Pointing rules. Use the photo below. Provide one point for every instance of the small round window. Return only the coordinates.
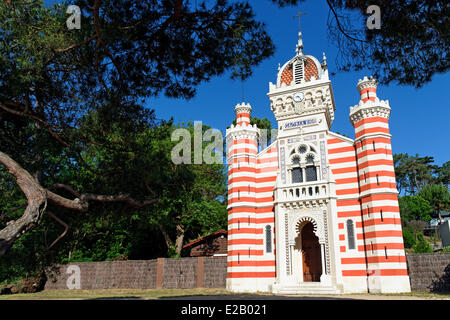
(302, 149)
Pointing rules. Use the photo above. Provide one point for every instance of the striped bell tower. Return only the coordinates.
(381, 224)
(242, 141)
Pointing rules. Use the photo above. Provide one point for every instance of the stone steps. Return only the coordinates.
(307, 288)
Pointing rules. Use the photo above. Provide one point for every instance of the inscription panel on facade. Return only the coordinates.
(283, 165)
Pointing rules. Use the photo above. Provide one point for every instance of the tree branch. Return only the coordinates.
(69, 48)
(46, 125)
(65, 225)
(340, 26)
(65, 187)
(98, 32)
(37, 198)
(50, 130)
(37, 203)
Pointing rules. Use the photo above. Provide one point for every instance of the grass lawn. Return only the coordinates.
(166, 293)
(116, 293)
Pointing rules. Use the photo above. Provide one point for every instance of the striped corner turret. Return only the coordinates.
(381, 224)
(242, 151)
(367, 88)
(243, 112)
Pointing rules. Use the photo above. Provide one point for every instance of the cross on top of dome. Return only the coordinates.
(299, 47)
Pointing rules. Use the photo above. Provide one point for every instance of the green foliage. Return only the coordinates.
(25, 259)
(443, 174)
(195, 202)
(414, 208)
(409, 48)
(445, 249)
(72, 112)
(172, 252)
(413, 172)
(191, 196)
(422, 246)
(438, 196)
(409, 238)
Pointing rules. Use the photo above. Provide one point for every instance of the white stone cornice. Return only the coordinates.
(378, 108)
(300, 204)
(318, 99)
(367, 83)
(243, 108)
(242, 132)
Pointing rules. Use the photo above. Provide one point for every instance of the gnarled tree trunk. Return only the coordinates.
(37, 198)
(37, 202)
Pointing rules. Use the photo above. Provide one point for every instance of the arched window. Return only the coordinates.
(297, 175)
(311, 173)
(310, 170)
(304, 154)
(268, 239)
(350, 235)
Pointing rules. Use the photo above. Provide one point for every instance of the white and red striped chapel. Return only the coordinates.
(314, 212)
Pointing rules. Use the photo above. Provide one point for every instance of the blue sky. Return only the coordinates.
(419, 117)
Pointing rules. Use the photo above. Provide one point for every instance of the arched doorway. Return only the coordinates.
(311, 255)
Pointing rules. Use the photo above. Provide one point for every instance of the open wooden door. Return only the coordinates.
(312, 262)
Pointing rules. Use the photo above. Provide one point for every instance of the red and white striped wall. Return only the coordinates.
(342, 161)
(367, 89)
(243, 114)
(382, 231)
(379, 201)
(251, 181)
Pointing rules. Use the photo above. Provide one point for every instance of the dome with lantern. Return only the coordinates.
(303, 88)
(301, 68)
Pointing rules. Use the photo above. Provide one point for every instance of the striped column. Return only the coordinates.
(381, 224)
(243, 237)
(367, 89)
(243, 111)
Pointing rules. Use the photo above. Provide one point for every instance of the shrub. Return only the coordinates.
(408, 238)
(421, 246)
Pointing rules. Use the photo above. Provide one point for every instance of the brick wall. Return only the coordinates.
(180, 273)
(215, 272)
(429, 271)
(143, 274)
